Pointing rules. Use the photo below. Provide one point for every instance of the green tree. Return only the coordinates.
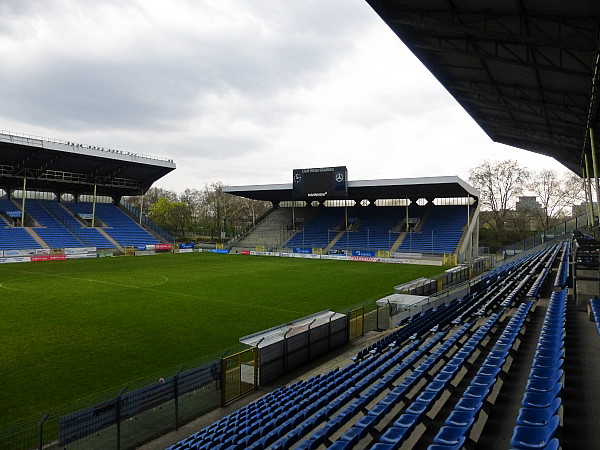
(172, 216)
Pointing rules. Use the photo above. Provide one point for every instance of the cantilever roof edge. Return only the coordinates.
(444, 186)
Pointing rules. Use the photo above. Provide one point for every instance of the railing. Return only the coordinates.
(551, 233)
(53, 210)
(28, 137)
(147, 222)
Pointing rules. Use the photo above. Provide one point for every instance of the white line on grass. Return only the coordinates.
(146, 288)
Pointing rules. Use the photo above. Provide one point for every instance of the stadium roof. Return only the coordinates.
(61, 166)
(525, 70)
(412, 188)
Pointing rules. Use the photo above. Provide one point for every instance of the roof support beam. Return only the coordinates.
(494, 95)
(445, 21)
(502, 59)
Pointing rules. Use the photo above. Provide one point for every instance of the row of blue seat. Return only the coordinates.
(369, 384)
(535, 267)
(538, 419)
(595, 307)
(417, 327)
(562, 274)
(459, 423)
(277, 415)
(382, 408)
(425, 399)
(534, 291)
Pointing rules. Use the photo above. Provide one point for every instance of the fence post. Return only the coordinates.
(41, 430)
(309, 340)
(329, 332)
(177, 396)
(118, 407)
(285, 350)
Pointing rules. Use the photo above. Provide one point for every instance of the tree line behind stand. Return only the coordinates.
(200, 214)
(517, 202)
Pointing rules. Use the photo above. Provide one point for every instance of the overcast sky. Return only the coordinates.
(237, 91)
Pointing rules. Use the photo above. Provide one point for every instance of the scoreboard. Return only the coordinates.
(321, 182)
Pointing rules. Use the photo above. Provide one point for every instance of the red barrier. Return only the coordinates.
(38, 258)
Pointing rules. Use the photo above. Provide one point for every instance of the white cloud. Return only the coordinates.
(238, 92)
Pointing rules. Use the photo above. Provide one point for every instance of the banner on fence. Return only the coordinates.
(219, 250)
(363, 253)
(41, 258)
(27, 252)
(302, 250)
(15, 259)
(80, 250)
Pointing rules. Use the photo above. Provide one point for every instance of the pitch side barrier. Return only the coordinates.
(46, 254)
(363, 256)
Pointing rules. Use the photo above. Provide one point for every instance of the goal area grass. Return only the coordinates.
(73, 329)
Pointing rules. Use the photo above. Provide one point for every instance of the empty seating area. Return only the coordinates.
(434, 381)
(117, 224)
(374, 230)
(319, 230)
(595, 311)
(52, 232)
(378, 228)
(17, 239)
(538, 420)
(273, 230)
(440, 232)
(57, 226)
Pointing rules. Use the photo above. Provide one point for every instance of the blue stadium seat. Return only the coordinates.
(536, 437)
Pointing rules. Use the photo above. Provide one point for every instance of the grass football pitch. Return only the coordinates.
(72, 329)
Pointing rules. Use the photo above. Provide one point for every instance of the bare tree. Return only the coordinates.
(556, 194)
(499, 183)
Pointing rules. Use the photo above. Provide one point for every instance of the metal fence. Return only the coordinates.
(147, 222)
(544, 236)
(124, 419)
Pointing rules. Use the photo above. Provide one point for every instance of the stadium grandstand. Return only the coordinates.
(406, 218)
(512, 362)
(59, 195)
(482, 357)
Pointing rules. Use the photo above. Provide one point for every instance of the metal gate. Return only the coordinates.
(356, 323)
(239, 374)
